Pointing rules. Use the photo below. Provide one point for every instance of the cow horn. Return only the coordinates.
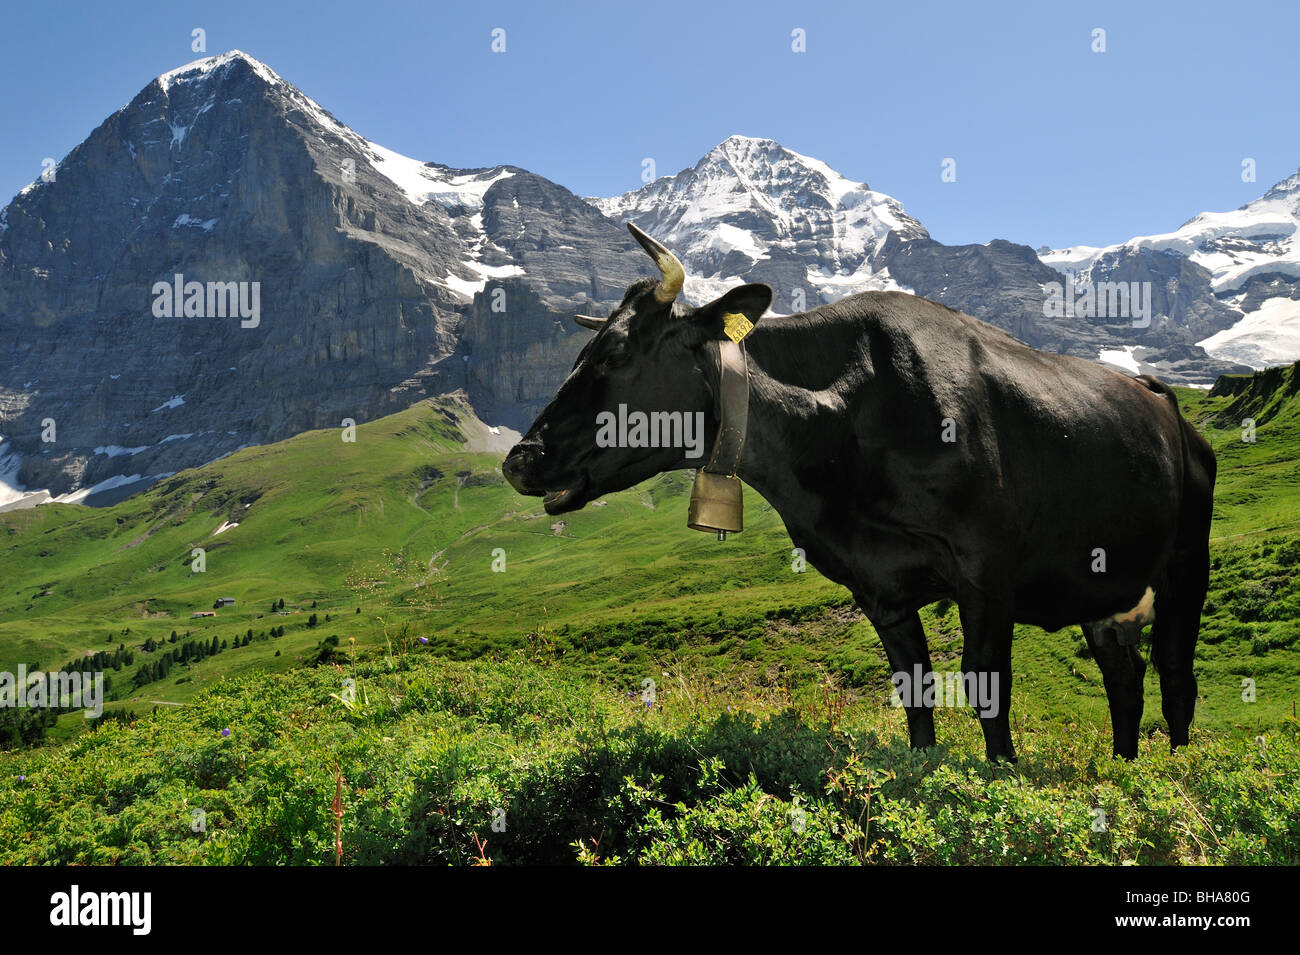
(674, 274)
(586, 321)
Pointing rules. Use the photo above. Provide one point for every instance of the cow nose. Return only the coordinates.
(513, 464)
(521, 455)
(518, 462)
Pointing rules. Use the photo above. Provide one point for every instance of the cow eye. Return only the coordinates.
(615, 356)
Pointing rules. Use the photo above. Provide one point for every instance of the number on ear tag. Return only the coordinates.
(736, 326)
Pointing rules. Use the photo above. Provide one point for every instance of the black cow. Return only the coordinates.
(916, 453)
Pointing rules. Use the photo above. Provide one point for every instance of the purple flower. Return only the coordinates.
(424, 639)
(22, 779)
(226, 731)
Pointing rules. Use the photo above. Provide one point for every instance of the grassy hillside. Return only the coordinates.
(410, 549)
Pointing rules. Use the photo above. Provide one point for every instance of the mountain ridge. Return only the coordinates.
(385, 279)
(1248, 259)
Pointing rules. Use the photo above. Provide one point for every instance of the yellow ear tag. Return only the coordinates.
(736, 326)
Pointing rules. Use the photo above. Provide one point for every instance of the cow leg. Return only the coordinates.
(1173, 638)
(1122, 670)
(987, 627)
(906, 647)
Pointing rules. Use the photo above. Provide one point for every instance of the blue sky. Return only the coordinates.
(1054, 144)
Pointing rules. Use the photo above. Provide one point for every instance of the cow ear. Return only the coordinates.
(735, 313)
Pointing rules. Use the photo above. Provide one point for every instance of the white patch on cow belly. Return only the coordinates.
(1141, 615)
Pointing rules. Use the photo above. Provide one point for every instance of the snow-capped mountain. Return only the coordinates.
(754, 210)
(751, 206)
(380, 279)
(363, 263)
(1250, 258)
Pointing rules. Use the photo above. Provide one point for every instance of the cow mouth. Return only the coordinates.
(564, 499)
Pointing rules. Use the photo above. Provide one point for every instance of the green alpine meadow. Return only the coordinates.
(366, 648)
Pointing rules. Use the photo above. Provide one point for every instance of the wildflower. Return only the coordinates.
(226, 731)
(424, 639)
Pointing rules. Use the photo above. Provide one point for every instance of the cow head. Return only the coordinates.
(649, 357)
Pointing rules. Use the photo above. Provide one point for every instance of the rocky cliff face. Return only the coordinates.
(514, 360)
(364, 263)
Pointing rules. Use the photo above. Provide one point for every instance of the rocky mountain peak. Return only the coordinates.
(750, 201)
(210, 68)
(1285, 189)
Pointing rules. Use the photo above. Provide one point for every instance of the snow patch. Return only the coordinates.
(728, 238)
(468, 287)
(424, 182)
(1077, 258)
(10, 463)
(185, 219)
(117, 480)
(1121, 357)
(1270, 335)
(117, 451)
